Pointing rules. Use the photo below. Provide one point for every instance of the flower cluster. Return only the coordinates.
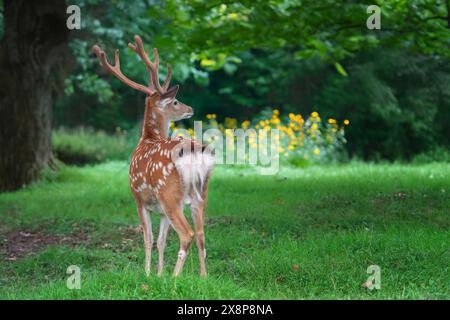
(301, 140)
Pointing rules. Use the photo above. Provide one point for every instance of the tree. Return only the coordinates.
(33, 49)
(202, 36)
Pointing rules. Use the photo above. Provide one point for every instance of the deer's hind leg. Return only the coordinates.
(198, 207)
(144, 216)
(171, 202)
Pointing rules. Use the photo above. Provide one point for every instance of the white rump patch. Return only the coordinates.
(194, 168)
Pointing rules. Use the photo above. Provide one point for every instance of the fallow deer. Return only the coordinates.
(165, 174)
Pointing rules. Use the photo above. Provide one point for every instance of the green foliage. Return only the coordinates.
(310, 234)
(437, 154)
(398, 104)
(84, 145)
(236, 58)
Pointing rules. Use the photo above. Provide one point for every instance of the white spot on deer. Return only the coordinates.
(163, 103)
(181, 254)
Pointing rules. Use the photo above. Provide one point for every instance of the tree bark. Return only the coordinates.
(33, 56)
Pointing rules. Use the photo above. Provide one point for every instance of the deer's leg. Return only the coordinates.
(164, 225)
(146, 223)
(198, 216)
(186, 235)
(173, 209)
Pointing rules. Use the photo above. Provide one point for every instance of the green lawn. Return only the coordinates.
(305, 233)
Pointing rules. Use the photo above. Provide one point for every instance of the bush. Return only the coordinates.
(84, 145)
(302, 141)
(438, 154)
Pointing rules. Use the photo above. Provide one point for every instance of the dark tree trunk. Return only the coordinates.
(33, 54)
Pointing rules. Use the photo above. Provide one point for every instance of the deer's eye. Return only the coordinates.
(175, 103)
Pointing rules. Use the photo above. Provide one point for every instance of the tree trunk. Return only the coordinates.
(33, 53)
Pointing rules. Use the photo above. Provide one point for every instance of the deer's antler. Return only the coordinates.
(115, 70)
(152, 67)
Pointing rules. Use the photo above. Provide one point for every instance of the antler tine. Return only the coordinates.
(156, 73)
(115, 70)
(152, 67)
(166, 83)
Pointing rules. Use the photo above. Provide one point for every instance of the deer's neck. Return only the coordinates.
(156, 124)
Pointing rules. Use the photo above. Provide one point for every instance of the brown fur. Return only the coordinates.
(154, 176)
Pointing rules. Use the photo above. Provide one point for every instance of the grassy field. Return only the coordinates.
(302, 234)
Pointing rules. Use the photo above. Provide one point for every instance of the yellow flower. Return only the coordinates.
(314, 114)
(314, 126)
(207, 62)
(233, 16)
(331, 121)
(245, 124)
(346, 122)
(276, 112)
(316, 151)
(231, 122)
(291, 147)
(275, 120)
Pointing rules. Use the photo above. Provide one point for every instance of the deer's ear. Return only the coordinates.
(171, 93)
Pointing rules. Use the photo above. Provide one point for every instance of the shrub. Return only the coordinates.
(438, 154)
(84, 145)
(302, 141)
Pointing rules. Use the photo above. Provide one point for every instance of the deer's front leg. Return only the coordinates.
(164, 225)
(146, 223)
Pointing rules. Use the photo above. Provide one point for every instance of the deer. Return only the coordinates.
(165, 173)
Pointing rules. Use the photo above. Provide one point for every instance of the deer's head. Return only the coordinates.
(162, 97)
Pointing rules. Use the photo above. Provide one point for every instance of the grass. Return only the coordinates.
(302, 234)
